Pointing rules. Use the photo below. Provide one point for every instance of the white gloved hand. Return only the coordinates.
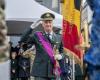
(35, 24)
(58, 56)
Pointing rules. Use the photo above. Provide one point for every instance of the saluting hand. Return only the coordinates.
(35, 24)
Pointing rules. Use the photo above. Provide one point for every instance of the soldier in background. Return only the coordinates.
(14, 67)
(24, 64)
(3, 33)
(92, 56)
(4, 61)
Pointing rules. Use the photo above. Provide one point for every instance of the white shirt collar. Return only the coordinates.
(51, 33)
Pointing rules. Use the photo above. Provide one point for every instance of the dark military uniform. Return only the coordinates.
(24, 68)
(42, 67)
(24, 65)
(14, 64)
(14, 68)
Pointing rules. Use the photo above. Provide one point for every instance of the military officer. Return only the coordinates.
(24, 64)
(44, 41)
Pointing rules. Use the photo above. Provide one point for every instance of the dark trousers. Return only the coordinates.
(42, 78)
(24, 78)
(13, 78)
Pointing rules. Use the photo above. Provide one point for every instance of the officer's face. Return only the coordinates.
(47, 25)
(13, 55)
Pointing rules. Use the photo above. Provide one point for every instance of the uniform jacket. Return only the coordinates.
(24, 67)
(42, 67)
(14, 67)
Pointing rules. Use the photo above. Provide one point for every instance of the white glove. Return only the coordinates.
(58, 56)
(35, 24)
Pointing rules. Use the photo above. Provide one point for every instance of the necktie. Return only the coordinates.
(49, 36)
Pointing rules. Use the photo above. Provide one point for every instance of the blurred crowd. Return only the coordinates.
(21, 60)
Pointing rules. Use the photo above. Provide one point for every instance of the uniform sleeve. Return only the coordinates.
(28, 37)
(61, 47)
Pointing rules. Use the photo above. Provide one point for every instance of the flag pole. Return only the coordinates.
(73, 67)
(86, 33)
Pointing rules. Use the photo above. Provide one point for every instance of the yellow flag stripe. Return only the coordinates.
(71, 14)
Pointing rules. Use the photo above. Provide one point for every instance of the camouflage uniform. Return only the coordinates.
(3, 33)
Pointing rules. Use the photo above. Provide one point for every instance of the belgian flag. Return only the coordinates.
(70, 10)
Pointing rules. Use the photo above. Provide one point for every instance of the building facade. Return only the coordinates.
(51, 4)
